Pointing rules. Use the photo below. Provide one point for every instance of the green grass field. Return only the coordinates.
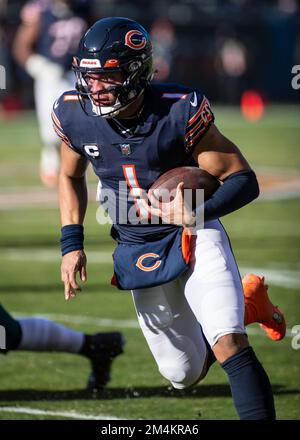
(264, 235)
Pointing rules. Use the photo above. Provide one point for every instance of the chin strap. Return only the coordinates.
(109, 110)
(112, 112)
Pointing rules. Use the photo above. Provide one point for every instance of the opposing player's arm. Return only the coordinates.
(73, 203)
(24, 47)
(27, 35)
(218, 155)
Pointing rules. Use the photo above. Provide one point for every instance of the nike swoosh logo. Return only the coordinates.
(195, 100)
(56, 104)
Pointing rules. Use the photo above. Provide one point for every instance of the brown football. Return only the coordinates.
(192, 177)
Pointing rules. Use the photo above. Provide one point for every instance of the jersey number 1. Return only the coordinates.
(135, 189)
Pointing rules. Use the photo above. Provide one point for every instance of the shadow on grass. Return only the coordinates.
(201, 391)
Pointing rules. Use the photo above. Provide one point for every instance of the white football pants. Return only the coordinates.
(208, 298)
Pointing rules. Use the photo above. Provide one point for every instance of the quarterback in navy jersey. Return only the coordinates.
(163, 138)
(186, 288)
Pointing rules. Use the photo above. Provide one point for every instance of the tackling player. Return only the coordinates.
(43, 335)
(187, 290)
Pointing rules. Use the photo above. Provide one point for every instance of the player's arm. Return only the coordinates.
(26, 36)
(222, 158)
(218, 155)
(72, 186)
(73, 204)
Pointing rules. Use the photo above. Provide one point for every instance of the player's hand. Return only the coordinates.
(174, 212)
(72, 263)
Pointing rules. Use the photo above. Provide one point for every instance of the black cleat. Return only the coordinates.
(101, 349)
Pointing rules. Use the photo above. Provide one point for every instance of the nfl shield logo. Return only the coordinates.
(125, 149)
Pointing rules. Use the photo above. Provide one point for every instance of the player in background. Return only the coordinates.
(43, 335)
(49, 33)
(186, 289)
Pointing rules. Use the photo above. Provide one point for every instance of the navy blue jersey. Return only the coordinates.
(173, 121)
(59, 30)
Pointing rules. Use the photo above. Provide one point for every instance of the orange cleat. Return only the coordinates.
(258, 308)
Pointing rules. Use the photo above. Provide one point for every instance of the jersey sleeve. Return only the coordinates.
(198, 119)
(58, 122)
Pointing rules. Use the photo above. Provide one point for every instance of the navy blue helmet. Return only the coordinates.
(115, 44)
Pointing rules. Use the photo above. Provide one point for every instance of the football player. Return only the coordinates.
(49, 33)
(39, 334)
(186, 288)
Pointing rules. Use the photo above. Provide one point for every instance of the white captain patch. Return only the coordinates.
(92, 150)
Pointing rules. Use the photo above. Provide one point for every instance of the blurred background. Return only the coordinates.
(245, 56)
(226, 46)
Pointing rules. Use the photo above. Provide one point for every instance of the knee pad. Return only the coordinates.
(184, 366)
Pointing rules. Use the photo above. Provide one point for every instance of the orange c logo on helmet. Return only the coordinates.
(140, 260)
(134, 41)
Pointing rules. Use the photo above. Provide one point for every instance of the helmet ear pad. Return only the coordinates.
(115, 45)
(138, 76)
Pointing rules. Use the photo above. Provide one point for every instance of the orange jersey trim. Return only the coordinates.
(196, 115)
(55, 119)
(186, 245)
(71, 98)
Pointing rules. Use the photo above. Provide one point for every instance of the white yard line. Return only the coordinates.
(50, 255)
(67, 414)
(279, 195)
(260, 227)
(104, 322)
(278, 276)
(14, 198)
(88, 320)
(271, 170)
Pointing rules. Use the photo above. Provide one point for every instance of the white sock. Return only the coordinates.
(40, 334)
